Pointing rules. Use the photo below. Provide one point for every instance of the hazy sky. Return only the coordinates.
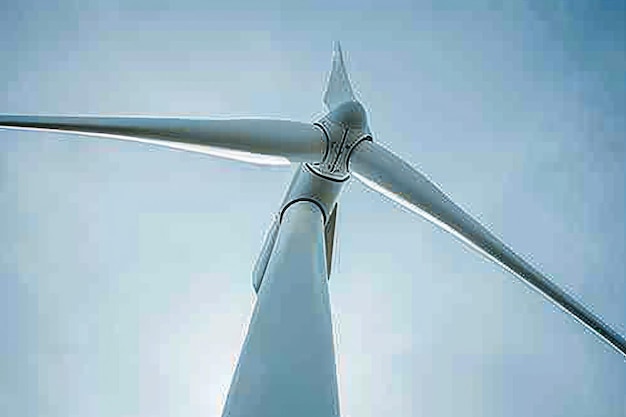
(125, 285)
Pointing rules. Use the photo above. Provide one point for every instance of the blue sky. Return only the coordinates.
(125, 269)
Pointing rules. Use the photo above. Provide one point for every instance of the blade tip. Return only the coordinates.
(337, 52)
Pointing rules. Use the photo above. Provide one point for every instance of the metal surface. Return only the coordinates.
(287, 362)
(343, 128)
(387, 173)
(272, 142)
(308, 185)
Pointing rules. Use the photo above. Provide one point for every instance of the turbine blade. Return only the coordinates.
(385, 172)
(338, 89)
(272, 142)
(260, 266)
(329, 238)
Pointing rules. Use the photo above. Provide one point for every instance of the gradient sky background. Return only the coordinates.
(125, 285)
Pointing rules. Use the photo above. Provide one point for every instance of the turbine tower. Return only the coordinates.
(287, 362)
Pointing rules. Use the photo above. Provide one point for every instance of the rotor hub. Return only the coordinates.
(343, 128)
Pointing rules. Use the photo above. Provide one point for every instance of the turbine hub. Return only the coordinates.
(344, 128)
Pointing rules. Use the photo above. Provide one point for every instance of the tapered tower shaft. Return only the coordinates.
(287, 362)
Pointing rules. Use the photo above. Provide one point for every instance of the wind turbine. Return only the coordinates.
(287, 362)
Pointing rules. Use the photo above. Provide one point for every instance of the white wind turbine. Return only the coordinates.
(287, 363)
